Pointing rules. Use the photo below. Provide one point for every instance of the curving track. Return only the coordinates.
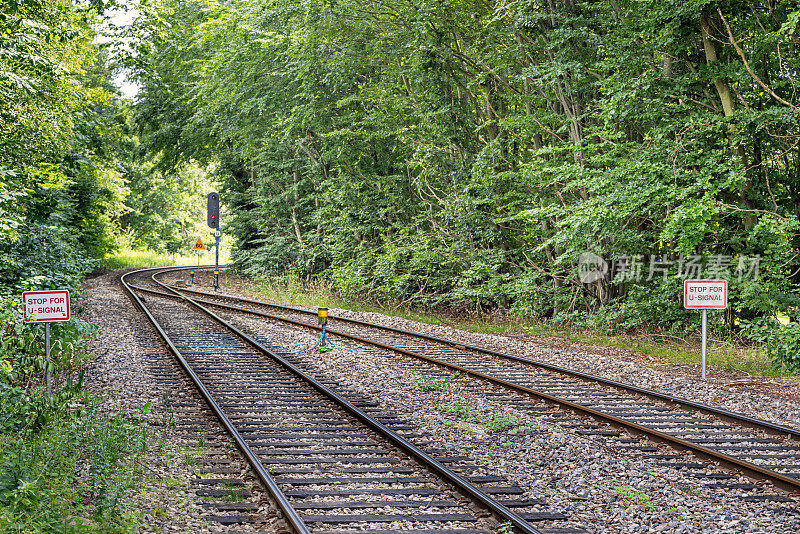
(761, 450)
(330, 460)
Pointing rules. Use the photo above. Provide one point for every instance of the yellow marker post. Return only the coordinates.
(322, 317)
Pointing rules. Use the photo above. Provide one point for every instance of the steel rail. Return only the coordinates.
(460, 483)
(289, 513)
(749, 469)
(726, 415)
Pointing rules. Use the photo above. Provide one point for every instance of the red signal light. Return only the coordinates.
(213, 210)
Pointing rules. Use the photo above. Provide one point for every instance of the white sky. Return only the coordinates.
(120, 18)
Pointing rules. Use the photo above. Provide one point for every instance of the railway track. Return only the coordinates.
(222, 480)
(758, 449)
(330, 459)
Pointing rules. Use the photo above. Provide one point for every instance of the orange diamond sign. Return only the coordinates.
(199, 245)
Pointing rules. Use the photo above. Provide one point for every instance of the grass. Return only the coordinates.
(129, 258)
(721, 354)
(432, 383)
(724, 354)
(73, 474)
(492, 421)
(234, 494)
(290, 289)
(628, 496)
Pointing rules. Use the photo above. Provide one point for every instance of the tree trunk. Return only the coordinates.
(728, 109)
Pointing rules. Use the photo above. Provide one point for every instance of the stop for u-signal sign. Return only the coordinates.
(45, 306)
(199, 245)
(705, 294)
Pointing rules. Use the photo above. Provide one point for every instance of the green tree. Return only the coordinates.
(465, 153)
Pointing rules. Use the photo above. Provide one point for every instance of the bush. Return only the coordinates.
(63, 464)
(70, 475)
(781, 342)
(44, 257)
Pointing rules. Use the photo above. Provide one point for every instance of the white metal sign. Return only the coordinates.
(705, 294)
(46, 306)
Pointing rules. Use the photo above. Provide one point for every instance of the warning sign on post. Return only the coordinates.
(45, 306)
(705, 294)
(199, 245)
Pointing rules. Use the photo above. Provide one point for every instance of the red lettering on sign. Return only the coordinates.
(705, 294)
(45, 306)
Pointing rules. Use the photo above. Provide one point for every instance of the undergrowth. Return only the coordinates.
(72, 474)
(127, 258)
(65, 466)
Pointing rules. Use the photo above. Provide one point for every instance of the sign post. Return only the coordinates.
(216, 262)
(212, 215)
(705, 295)
(198, 246)
(46, 307)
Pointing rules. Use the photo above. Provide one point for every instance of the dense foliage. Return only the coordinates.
(57, 193)
(466, 154)
(62, 193)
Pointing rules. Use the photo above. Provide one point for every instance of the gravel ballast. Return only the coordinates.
(601, 487)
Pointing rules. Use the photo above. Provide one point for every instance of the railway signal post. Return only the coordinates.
(46, 307)
(705, 295)
(213, 222)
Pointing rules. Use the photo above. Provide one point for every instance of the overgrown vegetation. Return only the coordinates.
(781, 342)
(64, 465)
(69, 474)
(65, 156)
(470, 155)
